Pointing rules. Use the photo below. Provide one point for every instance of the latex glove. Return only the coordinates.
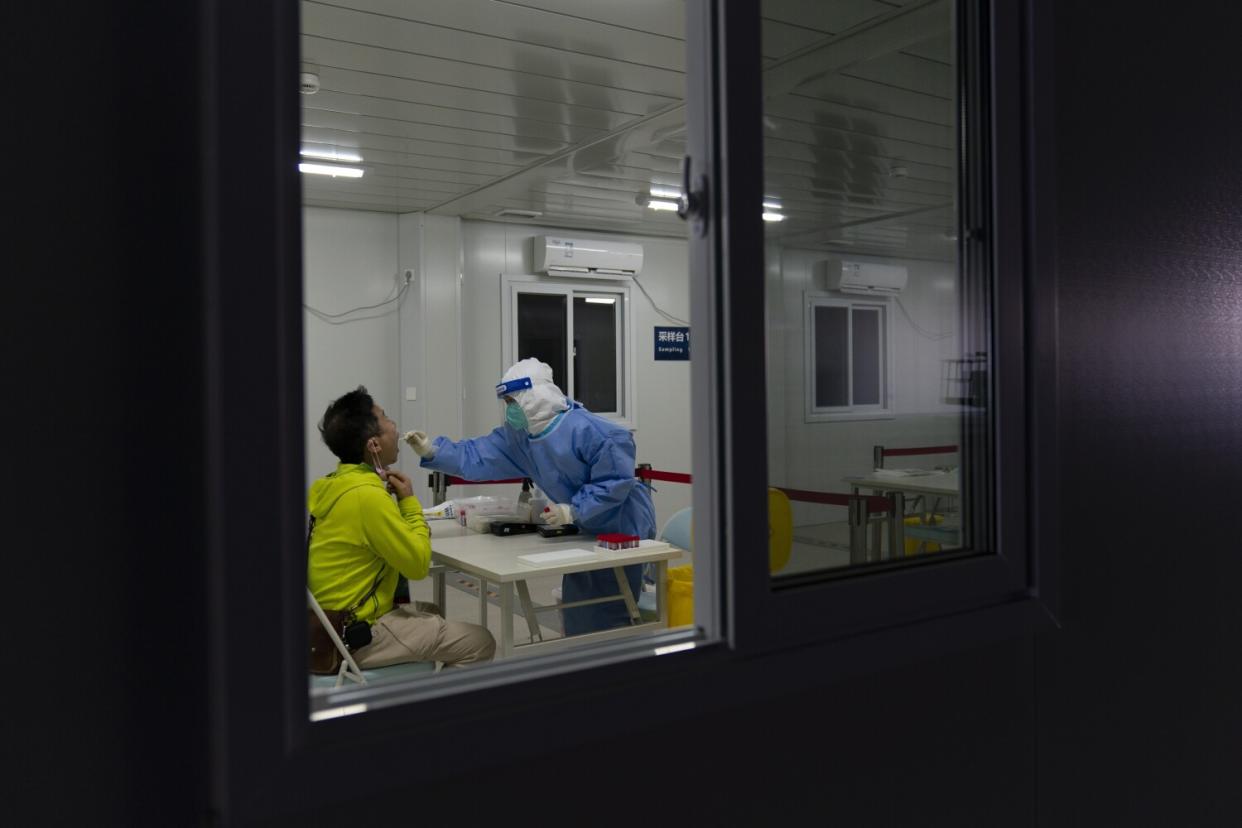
(419, 442)
(555, 514)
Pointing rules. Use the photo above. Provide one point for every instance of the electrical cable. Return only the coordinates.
(667, 316)
(335, 318)
(915, 325)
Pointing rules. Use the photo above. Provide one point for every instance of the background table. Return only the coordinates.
(936, 483)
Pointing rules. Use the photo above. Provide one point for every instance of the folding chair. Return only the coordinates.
(349, 668)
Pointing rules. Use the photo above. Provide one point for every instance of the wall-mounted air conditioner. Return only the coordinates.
(863, 277)
(560, 256)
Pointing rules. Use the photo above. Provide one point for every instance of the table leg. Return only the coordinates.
(627, 594)
(662, 591)
(506, 619)
(483, 602)
(528, 609)
(897, 526)
(437, 590)
(877, 540)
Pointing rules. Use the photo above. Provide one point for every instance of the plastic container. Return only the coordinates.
(483, 505)
(537, 504)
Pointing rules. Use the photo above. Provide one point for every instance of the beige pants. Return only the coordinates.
(418, 632)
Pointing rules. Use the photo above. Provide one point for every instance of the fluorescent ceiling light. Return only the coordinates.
(665, 192)
(771, 205)
(769, 216)
(601, 300)
(333, 155)
(329, 169)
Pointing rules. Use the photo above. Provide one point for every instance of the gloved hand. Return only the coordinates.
(555, 514)
(419, 442)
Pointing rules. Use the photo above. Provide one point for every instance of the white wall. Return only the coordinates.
(349, 260)
(817, 456)
(662, 392)
(445, 342)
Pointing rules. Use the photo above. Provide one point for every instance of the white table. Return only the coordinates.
(935, 483)
(491, 558)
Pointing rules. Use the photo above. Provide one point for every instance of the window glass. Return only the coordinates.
(874, 351)
(596, 358)
(865, 352)
(832, 377)
(542, 331)
(484, 183)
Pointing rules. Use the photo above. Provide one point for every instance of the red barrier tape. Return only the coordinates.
(671, 477)
(906, 452)
(875, 503)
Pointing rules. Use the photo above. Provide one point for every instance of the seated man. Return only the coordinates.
(362, 543)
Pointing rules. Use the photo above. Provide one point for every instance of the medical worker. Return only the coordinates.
(583, 462)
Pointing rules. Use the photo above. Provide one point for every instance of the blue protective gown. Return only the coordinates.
(581, 459)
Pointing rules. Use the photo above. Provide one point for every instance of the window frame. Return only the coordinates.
(511, 285)
(886, 409)
(827, 605)
(267, 760)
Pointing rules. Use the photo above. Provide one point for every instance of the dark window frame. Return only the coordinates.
(995, 246)
(268, 760)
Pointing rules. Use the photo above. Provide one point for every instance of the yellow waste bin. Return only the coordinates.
(680, 596)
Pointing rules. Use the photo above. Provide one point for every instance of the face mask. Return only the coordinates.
(515, 416)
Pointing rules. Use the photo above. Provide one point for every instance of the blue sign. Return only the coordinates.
(672, 343)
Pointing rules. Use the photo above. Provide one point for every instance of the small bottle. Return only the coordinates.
(523, 502)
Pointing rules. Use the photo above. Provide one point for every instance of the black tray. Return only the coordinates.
(557, 531)
(512, 528)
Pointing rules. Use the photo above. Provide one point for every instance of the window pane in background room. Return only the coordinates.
(542, 326)
(860, 211)
(831, 374)
(865, 353)
(595, 353)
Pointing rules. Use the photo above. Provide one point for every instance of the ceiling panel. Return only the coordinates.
(526, 26)
(467, 75)
(573, 109)
(552, 50)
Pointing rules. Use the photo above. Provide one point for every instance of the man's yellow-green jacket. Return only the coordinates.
(361, 535)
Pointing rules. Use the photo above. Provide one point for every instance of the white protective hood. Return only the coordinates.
(543, 400)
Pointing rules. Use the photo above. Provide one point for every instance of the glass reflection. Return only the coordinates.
(873, 376)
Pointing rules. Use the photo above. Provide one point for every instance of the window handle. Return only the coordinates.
(692, 206)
